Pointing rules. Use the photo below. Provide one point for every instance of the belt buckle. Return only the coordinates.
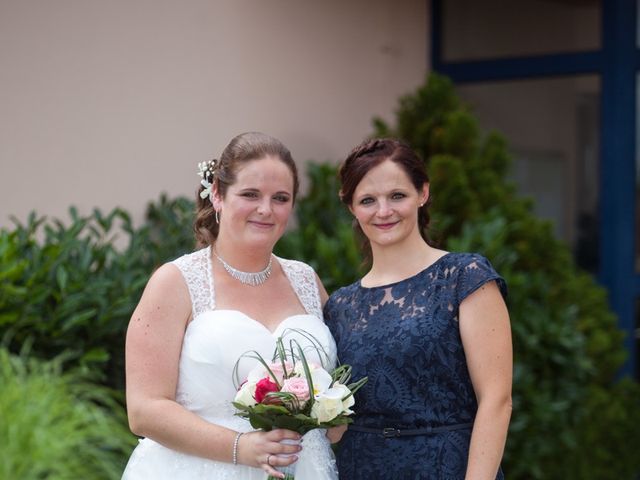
(390, 432)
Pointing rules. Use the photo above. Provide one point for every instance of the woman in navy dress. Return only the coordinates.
(428, 327)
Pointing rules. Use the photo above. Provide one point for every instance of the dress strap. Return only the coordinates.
(196, 270)
(303, 281)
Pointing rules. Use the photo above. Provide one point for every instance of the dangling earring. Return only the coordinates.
(217, 217)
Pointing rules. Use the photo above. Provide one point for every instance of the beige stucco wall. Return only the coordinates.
(109, 103)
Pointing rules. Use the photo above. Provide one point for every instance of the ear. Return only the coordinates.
(424, 193)
(216, 198)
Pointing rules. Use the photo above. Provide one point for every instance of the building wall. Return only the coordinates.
(106, 104)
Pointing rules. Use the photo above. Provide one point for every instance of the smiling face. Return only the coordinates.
(386, 203)
(256, 207)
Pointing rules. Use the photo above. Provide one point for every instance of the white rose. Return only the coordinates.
(347, 402)
(320, 378)
(329, 404)
(246, 394)
(257, 373)
(299, 368)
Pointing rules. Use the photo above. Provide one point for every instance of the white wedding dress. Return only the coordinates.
(214, 340)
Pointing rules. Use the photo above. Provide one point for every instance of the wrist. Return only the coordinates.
(236, 448)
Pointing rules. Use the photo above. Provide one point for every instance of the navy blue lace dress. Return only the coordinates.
(405, 338)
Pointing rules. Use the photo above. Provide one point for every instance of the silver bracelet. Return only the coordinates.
(235, 447)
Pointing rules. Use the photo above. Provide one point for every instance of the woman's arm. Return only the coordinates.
(324, 296)
(154, 342)
(153, 347)
(486, 337)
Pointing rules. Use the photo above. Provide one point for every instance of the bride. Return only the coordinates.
(201, 312)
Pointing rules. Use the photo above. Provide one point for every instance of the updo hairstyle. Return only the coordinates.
(241, 149)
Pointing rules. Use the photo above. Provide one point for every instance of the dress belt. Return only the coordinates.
(391, 432)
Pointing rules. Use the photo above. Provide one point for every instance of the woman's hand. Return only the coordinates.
(334, 434)
(261, 450)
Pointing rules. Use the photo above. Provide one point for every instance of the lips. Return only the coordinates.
(385, 226)
(261, 224)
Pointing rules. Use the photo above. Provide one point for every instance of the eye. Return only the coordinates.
(366, 201)
(249, 194)
(281, 198)
(398, 196)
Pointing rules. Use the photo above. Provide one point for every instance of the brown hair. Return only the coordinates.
(241, 149)
(370, 154)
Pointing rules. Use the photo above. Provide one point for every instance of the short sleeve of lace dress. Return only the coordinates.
(474, 270)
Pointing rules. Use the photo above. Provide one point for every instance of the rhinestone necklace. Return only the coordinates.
(247, 278)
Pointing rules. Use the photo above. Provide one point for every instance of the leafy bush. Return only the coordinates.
(58, 425)
(72, 288)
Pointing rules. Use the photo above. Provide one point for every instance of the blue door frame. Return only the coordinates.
(617, 63)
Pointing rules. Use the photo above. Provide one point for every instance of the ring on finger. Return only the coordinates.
(269, 460)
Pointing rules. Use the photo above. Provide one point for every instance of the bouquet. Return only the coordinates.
(290, 392)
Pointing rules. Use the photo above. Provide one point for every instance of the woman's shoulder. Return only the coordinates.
(472, 270)
(455, 264)
(194, 269)
(166, 285)
(196, 257)
(291, 265)
(345, 292)
(464, 259)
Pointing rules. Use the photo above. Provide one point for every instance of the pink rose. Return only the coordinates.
(278, 371)
(263, 387)
(298, 386)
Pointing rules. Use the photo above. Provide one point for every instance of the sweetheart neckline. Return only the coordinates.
(254, 321)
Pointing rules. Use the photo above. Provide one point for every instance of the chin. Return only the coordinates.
(388, 241)
(262, 240)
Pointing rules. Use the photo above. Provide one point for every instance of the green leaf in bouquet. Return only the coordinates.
(339, 420)
(241, 407)
(256, 356)
(307, 372)
(298, 423)
(262, 408)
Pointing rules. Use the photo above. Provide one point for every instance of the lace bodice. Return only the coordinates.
(196, 270)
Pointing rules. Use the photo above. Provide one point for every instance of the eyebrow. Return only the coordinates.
(390, 192)
(252, 189)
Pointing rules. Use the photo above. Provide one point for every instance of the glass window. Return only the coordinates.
(552, 128)
(475, 30)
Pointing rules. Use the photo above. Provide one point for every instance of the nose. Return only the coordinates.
(384, 209)
(264, 207)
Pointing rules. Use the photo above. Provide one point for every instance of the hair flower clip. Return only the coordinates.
(206, 171)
